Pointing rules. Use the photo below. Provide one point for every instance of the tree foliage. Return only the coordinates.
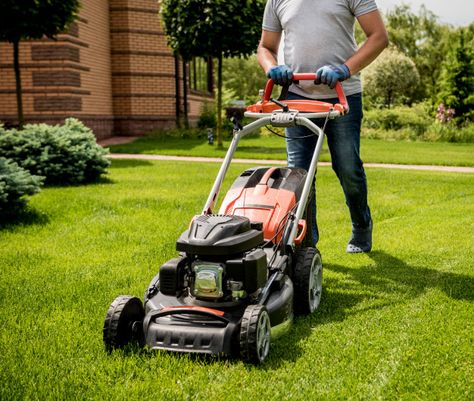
(244, 77)
(391, 78)
(33, 19)
(202, 28)
(457, 78)
(424, 40)
(213, 28)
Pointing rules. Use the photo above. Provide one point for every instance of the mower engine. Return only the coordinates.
(222, 262)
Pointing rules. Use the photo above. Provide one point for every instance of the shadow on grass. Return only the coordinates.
(24, 217)
(96, 181)
(388, 282)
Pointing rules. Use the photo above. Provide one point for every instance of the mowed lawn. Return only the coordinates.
(396, 324)
(273, 147)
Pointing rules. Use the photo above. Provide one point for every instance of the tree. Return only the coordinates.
(244, 88)
(213, 28)
(457, 79)
(32, 19)
(391, 78)
(423, 39)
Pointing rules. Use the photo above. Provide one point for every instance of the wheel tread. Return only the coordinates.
(248, 330)
(111, 335)
(301, 279)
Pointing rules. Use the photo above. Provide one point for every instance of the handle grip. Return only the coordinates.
(307, 76)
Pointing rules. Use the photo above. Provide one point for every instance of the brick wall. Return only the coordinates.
(113, 70)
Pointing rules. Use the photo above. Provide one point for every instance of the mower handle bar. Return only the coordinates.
(307, 76)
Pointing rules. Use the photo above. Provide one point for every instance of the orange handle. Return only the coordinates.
(303, 226)
(309, 76)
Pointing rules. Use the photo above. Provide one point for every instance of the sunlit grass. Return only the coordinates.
(273, 147)
(394, 324)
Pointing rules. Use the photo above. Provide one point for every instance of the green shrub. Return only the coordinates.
(207, 119)
(450, 132)
(415, 118)
(66, 154)
(15, 183)
(413, 123)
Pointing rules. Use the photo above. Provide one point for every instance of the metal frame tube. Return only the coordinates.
(309, 177)
(212, 198)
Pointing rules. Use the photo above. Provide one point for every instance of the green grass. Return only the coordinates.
(395, 325)
(273, 147)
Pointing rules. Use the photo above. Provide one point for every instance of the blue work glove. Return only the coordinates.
(330, 74)
(281, 74)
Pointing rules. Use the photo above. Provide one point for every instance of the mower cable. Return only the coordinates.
(280, 227)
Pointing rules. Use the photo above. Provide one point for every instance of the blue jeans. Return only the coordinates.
(343, 137)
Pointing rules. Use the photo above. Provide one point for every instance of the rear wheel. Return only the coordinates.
(255, 332)
(308, 281)
(123, 323)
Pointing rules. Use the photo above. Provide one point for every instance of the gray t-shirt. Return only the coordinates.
(317, 33)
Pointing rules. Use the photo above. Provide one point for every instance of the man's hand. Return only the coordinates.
(330, 74)
(281, 74)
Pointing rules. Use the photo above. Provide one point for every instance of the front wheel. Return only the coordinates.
(255, 332)
(123, 323)
(308, 281)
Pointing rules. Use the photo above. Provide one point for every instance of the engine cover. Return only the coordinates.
(219, 235)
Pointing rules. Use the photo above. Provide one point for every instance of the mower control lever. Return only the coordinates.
(284, 106)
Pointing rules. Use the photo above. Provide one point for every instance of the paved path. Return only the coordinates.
(283, 162)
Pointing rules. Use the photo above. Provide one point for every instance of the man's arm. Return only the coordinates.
(267, 52)
(377, 40)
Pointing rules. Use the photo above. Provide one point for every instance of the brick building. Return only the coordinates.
(112, 70)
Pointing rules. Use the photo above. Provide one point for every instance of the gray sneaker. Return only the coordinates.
(361, 240)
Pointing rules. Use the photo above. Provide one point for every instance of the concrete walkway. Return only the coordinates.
(452, 169)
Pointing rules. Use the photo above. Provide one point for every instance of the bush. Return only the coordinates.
(450, 132)
(66, 154)
(400, 122)
(413, 123)
(15, 183)
(391, 79)
(207, 119)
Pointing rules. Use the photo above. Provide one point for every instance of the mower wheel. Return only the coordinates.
(255, 332)
(123, 323)
(307, 281)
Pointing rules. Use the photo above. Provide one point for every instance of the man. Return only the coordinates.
(319, 37)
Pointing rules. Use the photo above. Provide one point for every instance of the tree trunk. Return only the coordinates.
(19, 99)
(177, 90)
(219, 101)
(185, 94)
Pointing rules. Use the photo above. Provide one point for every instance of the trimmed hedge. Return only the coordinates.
(15, 183)
(66, 154)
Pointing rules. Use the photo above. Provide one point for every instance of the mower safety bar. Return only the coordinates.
(306, 77)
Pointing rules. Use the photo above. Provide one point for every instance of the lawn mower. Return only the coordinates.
(242, 273)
